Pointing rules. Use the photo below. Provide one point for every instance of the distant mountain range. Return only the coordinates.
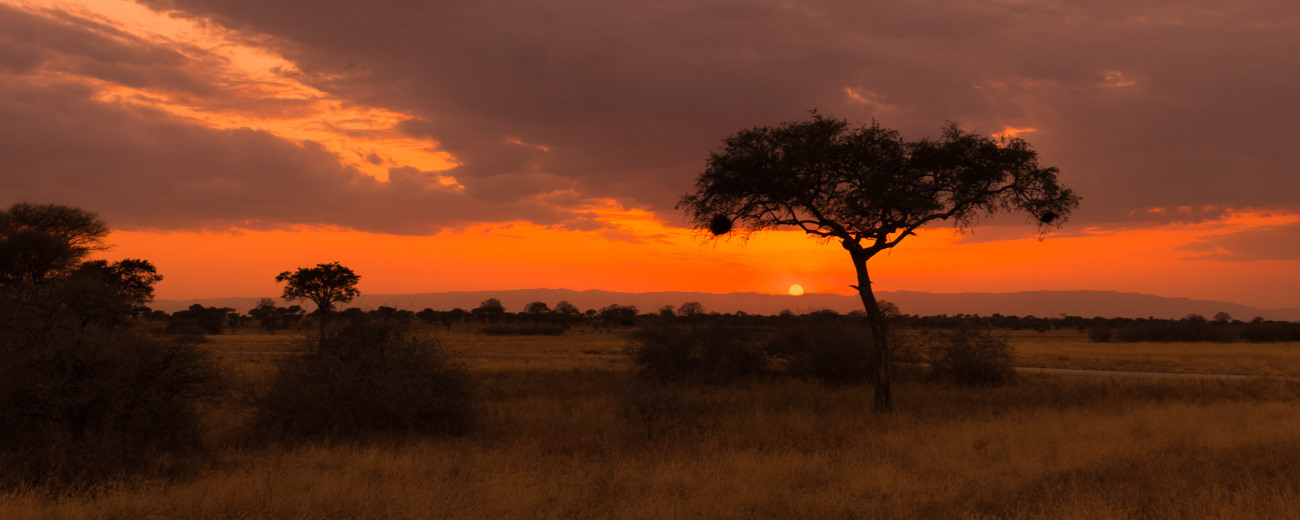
(1037, 303)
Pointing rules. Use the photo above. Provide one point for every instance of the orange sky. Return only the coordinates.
(574, 230)
(656, 257)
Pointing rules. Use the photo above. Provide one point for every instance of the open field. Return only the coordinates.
(1070, 349)
(1053, 349)
(554, 441)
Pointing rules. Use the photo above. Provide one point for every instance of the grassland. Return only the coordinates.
(1070, 349)
(555, 441)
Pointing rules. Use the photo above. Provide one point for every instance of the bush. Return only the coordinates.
(702, 353)
(365, 379)
(835, 354)
(1100, 334)
(970, 356)
(657, 410)
(77, 409)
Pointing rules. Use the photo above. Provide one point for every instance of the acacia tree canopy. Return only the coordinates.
(41, 241)
(324, 285)
(867, 185)
(869, 189)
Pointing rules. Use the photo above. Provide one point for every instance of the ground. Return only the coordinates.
(558, 439)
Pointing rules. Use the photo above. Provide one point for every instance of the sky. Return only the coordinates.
(505, 144)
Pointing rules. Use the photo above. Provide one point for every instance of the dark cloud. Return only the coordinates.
(140, 168)
(1268, 243)
(79, 46)
(1149, 104)
(1142, 104)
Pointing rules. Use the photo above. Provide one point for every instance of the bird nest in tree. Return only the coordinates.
(720, 224)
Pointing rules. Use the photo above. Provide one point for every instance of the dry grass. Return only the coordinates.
(1070, 349)
(552, 445)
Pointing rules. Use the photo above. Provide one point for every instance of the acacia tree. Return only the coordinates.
(39, 242)
(869, 189)
(324, 285)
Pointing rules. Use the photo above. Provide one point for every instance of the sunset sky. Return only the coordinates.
(474, 145)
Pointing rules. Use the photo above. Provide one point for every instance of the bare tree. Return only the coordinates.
(868, 189)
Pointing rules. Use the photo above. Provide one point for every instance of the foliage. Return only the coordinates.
(868, 184)
(367, 378)
(564, 308)
(490, 309)
(80, 408)
(701, 353)
(970, 356)
(616, 315)
(537, 308)
(868, 189)
(81, 399)
(838, 353)
(40, 242)
(271, 317)
(198, 319)
(690, 309)
(324, 285)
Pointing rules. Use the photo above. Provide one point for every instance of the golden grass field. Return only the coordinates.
(552, 443)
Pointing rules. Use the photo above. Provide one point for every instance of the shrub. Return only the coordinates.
(970, 356)
(835, 354)
(702, 353)
(656, 410)
(1100, 334)
(364, 379)
(76, 409)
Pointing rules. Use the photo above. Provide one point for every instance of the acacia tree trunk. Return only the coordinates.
(324, 312)
(879, 337)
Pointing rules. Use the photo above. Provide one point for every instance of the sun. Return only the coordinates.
(796, 290)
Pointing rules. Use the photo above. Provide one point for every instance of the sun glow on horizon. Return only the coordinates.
(796, 290)
(633, 251)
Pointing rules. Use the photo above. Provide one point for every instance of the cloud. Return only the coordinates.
(141, 168)
(1266, 243)
(1155, 104)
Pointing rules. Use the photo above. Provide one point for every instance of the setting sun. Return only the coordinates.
(796, 290)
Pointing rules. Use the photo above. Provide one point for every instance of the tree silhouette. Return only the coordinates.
(39, 242)
(565, 308)
(490, 309)
(99, 291)
(46, 281)
(537, 308)
(869, 189)
(690, 309)
(324, 285)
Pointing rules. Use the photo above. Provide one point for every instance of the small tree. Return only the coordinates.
(537, 308)
(564, 308)
(490, 309)
(324, 285)
(869, 189)
(690, 309)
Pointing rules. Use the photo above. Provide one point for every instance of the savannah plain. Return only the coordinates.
(554, 438)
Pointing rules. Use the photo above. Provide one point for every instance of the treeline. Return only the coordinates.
(540, 318)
